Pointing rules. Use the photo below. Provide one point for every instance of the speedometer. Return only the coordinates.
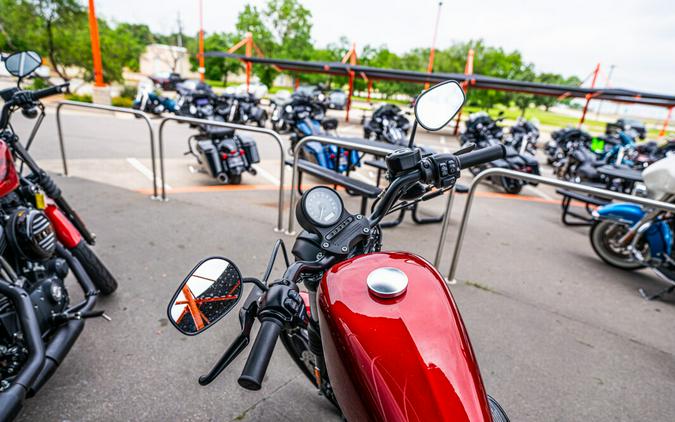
(322, 206)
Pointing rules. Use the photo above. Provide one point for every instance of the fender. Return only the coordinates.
(316, 149)
(66, 232)
(402, 359)
(629, 213)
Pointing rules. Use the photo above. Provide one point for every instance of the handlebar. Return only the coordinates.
(27, 99)
(52, 90)
(256, 365)
(283, 306)
(481, 156)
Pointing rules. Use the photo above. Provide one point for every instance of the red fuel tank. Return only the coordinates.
(406, 358)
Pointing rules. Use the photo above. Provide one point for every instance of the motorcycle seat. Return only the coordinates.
(217, 132)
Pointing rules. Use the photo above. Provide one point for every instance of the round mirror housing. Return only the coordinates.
(23, 63)
(208, 293)
(436, 106)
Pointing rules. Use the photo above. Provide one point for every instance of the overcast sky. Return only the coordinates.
(568, 37)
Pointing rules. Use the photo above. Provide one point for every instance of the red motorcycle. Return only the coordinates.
(378, 333)
(42, 240)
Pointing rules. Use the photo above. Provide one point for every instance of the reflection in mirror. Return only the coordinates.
(23, 63)
(208, 293)
(436, 106)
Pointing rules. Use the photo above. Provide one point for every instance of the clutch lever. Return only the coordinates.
(467, 148)
(247, 315)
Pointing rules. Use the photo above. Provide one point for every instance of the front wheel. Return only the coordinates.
(296, 343)
(604, 237)
(96, 270)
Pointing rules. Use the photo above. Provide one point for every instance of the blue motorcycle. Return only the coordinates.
(149, 102)
(303, 117)
(630, 237)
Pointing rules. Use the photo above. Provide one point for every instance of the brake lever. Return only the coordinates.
(247, 316)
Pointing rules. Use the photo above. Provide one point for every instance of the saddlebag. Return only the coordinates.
(208, 155)
(250, 148)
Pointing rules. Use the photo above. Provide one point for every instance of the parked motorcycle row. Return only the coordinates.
(360, 329)
(520, 142)
(626, 236)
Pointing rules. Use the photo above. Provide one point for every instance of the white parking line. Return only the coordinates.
(267, 175)
(145, 171)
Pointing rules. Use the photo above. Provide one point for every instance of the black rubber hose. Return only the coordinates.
(254, 371)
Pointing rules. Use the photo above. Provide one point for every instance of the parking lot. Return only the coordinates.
(559, 335)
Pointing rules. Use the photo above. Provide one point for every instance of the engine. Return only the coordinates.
(27, 245)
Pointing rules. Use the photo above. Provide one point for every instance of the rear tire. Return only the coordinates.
(235, 179)
(512, 186)
(96, 270)
(604, 232)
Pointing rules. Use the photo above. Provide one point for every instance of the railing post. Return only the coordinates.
(545, 181)
(115, 110)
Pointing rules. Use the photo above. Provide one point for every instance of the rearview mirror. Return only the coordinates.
(23, 63)
(436, 106)
(206, 295)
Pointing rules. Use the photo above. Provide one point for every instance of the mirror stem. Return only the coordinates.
(255, 281)
(411, 143)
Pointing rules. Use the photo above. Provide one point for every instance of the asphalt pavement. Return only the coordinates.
(559, 335)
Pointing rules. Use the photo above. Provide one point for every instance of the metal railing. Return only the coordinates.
(269, 132)
(543, 180)
(369, 149)
(138, 113)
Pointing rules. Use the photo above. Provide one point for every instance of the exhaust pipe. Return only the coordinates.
(222, 178)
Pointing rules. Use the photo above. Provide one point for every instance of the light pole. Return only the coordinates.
(201, 40)
(430, 67)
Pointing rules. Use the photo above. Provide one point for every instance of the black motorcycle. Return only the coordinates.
(195, 100)
(557, 148)
(240, 108)
(42, 240)
(220, 152)
(388, 124)
(523, 137)
(223, 154)
(484, 132)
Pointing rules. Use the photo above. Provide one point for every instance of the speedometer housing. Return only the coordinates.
(320, 206)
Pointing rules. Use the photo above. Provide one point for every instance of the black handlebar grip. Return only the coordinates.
(256, 365)
(482, 156)
(52, 90)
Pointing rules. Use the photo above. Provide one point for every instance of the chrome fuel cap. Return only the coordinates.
(387, 282)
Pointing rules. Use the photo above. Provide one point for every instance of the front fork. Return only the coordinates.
(638, 228)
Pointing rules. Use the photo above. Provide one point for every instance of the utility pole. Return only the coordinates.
(609, 76)
(430, 67)
(95, 46)
(179, 37)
